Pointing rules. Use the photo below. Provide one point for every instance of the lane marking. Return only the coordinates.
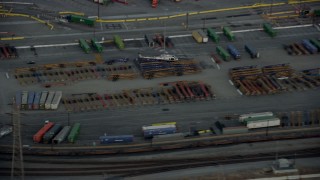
(213, 61)
(231, 82)
(239, 92)
(218, 66)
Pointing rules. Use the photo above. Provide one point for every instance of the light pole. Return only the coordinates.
(164, 31)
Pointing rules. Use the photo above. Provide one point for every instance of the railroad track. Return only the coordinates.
(63, 167)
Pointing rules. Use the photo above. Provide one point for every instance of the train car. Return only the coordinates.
(253, 115)
(39, 135)
(18, 99)
(233, 51)
(30, 99)
(62, 135)
(213, 35)
(36, 100)
(56, 100)
(309, 46)
(269, 30)
(164, 123)
(262, 122)
(116, 139)
(84, 45)
(168, 137)
(227, 32)
(96, 45)
(223, 53)
(50, 97)
(150, 131)
(252, 51)
(315, 43)
(74, 133)
(24, 100)
(118, 41)
(42, 102)
(52, 132)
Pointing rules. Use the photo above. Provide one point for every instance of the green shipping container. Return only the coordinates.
(227, 32)
(315, 43)
(268, 29)
(118, 41)
(74, 132)
(96, 45)
(223, 53)
(213, 35)
(81, 19)
(84, 45)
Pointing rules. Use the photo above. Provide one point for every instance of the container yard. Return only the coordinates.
(138, 84)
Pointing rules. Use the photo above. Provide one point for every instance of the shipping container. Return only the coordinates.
(84, 45)
(49, 100)
(48, 136)
(30, 99)
(204, 36)
(43, 99)
(253, 52)
(235, 130)
(227, 32)
(118, 41)
(81, 19)
(36, 101)
(309, 46)
(38, 136)
(150, 131)
(261, 123)
(116, 139)
(18, 98)
(96, 45)
(158, 126)
(253, 115)
(61, 136)
(268, 29)
(233, 51)
(168, 137)
(197, 36)
(24, 100)
(56, 100)
(315, 43)
(223, 53)
(74, 133)
(213, 35)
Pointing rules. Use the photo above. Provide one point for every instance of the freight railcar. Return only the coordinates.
(116, 139)
(150, 131)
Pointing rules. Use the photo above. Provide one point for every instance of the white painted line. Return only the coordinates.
(91, 17)
(289, 27)
(7, 75)
(22, 47)
(47, 45)
(183, 35)
(231, 82)
(218, 66)
(133, 39)
(101, 27)
(125, 25)
(239, 92)
(247, 30)
(213, 60)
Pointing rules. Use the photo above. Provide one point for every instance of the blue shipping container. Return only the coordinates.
(310, 47)
(30, 99)
(18, 100)
(253, 52)
(116, 139)
(151, 132)
(234, 52)
(36, 100)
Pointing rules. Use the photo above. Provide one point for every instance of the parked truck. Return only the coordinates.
(233, 51)
(96, 45)
(269, 30)
(253, 52)
(223, 53)
(118, 41)
(84, 45)
(197, 36)
(227, 32)
(309, 46)
(213, 35)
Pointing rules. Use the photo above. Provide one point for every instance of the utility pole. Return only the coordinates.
(17, 168)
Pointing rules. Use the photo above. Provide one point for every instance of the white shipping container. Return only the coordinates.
(264, 123)
(47, 105)
(204, 36)
(56, 100)
(144, 128)
(254, 115)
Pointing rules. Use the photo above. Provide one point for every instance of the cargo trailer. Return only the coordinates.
(253, 52)
(213, 35)
(18, 98)
(227, 32)
(24, 100)
(118, 41)
(233, 51)
(61, 136)
(204, 36)
(96, 45)
(80, 19)
(52, 132)
(150, 131)
(254, 115)
(116, 139)
(30, 99)
(223, 53)
(309, 46)
(47, 104)
(36, 100)
(262, 122)
(56, 100)
(84, 45)
(43, 99)
(74, 133)
(39, 135)
(197, 36)
(316, 43)
(269, 30)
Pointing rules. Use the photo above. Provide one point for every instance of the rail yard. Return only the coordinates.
(114, 79)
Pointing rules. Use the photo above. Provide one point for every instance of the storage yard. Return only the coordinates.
(86, 79)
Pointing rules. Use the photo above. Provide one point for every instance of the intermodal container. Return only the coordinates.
(74, 133)
(223, 53)
(18, 99)
(84, 45)
(150, 131)
(204, 36)
(253, 52)
(118, 41)
(197, 36)
(61, 136)
(96, 45)
(38, 136)
(43, 99)
(116, 139)
(47, 105)
(81, 19)
(233, 51)
(30, 99)
(48, 136)
(261, 123)
(227, 32)
(24, 100)
(310, 47)
(254, 115)
(268, 29)
(315, 43)
(36, 101)
(213, 35)
(56, 100)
